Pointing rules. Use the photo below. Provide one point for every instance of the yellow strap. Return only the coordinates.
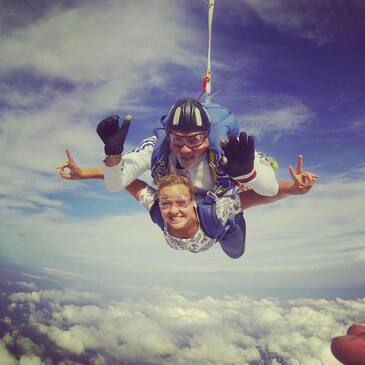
(212, 166)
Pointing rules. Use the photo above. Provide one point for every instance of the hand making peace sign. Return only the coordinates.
(303, 180)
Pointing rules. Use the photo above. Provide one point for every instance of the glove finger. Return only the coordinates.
(251, 144)
(228, 149)
(232, 139)
(229, 140)
(231, 146)
(112, 125)
(123, 130)
(126, 122)
(243, 138)
(108, 126)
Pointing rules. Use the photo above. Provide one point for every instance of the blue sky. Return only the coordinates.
(291, 71)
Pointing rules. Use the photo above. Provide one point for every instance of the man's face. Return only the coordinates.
(180, 142)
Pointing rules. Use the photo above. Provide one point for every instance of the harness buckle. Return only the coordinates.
(210, 197)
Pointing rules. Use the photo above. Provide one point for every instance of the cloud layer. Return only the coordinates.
(170, 327)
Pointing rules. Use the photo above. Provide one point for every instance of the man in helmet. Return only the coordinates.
(184, 145)
(188, 126)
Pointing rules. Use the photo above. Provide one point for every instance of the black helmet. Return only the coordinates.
(188, 115)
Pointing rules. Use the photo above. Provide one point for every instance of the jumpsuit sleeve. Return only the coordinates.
(132, 165)
(265, 182)
(147, 197)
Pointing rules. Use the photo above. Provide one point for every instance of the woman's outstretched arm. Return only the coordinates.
(302, 182)
(77, 173)
(69, 170)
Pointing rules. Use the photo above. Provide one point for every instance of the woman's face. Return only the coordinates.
(177, 207)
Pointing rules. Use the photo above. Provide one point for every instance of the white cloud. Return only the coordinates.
(78, 64)
(27, 297)
(319, 21)
(6, 358)
(6, 320)
(65, 339)
(85, 314)
(361, 255)
(282, 117)
(98, 43)
(61, 273)
(26, 285)
(27, 346)
(7, 338)
(30, 360)
(358, 125)
(172, 328)
(295, 227)
(55, 296)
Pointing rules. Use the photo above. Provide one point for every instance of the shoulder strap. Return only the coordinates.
(160, 154)
(209, 222)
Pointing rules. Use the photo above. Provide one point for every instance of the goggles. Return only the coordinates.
(193, 141)
(180, 202)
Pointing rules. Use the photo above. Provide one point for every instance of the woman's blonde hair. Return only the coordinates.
(174, 179)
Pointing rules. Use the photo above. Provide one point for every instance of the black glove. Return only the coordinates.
(240, 154)
(112, 135)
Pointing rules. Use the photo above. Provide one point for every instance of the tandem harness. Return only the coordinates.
(232, 235)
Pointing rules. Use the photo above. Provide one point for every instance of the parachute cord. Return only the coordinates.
(207, 80)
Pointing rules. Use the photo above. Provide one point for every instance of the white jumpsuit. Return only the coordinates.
(138, 161)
